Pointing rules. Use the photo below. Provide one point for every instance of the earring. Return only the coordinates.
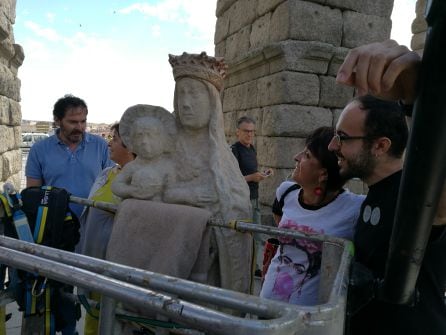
(318, 191)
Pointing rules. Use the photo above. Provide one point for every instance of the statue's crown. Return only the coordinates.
(200, 66)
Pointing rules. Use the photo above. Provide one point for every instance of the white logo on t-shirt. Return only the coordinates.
(367, 213)
(373, 215)
(376, 215)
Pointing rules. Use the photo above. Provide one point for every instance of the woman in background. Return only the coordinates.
(97, 224)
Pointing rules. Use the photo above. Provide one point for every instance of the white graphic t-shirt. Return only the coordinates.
(293, 275)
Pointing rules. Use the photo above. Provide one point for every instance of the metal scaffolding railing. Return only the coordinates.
(142, 289)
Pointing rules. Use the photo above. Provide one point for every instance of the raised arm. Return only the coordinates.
(386, 70)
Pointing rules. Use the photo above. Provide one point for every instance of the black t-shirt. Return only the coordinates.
(372, 238)
(247, 161)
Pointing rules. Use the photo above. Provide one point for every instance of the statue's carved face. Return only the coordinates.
(149, 137)
(193, 103)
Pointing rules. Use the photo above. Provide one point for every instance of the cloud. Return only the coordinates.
(50, 16)
(109, 72)
(168, 10)
(193, 13)
(108, 75)
(47, 33)
(156, 30)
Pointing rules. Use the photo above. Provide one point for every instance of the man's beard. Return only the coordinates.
(361, 166)
(73, 136)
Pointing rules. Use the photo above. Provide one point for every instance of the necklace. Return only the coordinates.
(328, 198)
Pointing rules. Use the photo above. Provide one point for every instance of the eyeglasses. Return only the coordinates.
(339, 138)
(248, 131)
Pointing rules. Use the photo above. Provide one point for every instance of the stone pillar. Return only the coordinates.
(419, 28)
(283, 56)
(11, 57)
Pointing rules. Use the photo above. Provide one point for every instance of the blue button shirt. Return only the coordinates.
(51, 161)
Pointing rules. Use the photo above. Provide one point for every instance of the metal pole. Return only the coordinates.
(107, 316)
(286, 318)
(425, 167)
(106, 206)
(159, 282)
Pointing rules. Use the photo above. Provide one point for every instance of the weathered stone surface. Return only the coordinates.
(15, 113)
(241, 14)
(296, 56)
(301, 56)
(239, 97)
(252, 72)
(267, 188)
(6, 138)
(9, 84)
(265, 6)
(333, 94)
(278, 152)
(339, 55)
(376, 7)
(237, 44)
(17, 136)
(11, 57)
(220, 49)
(7, 8)
(420, 7)
(418, 41)
(12, 162)
(306, 21)
(260, 32)
(294, 120)
(419, 25)
(221, 28)
(229, 120)
(5, 27)
(10, 113)
(4, 110)
(285, 87)
(6, 51)
(361, 29)
(223, 5)
(183, 158)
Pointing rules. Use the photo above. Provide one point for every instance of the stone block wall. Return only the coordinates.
(283, 56)
(419, 27)
(11, 57)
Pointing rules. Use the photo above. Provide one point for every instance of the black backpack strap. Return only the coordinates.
(278, 204)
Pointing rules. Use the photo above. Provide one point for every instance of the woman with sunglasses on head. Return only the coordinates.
(321, 205)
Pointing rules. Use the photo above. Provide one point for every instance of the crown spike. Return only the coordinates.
(200, 66)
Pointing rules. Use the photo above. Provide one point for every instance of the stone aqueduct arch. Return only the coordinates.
(282, 56)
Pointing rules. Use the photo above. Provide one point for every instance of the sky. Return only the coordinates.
(114, 53)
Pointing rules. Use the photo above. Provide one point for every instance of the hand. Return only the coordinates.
(267, 172)
(386, 70)
(255, 177)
